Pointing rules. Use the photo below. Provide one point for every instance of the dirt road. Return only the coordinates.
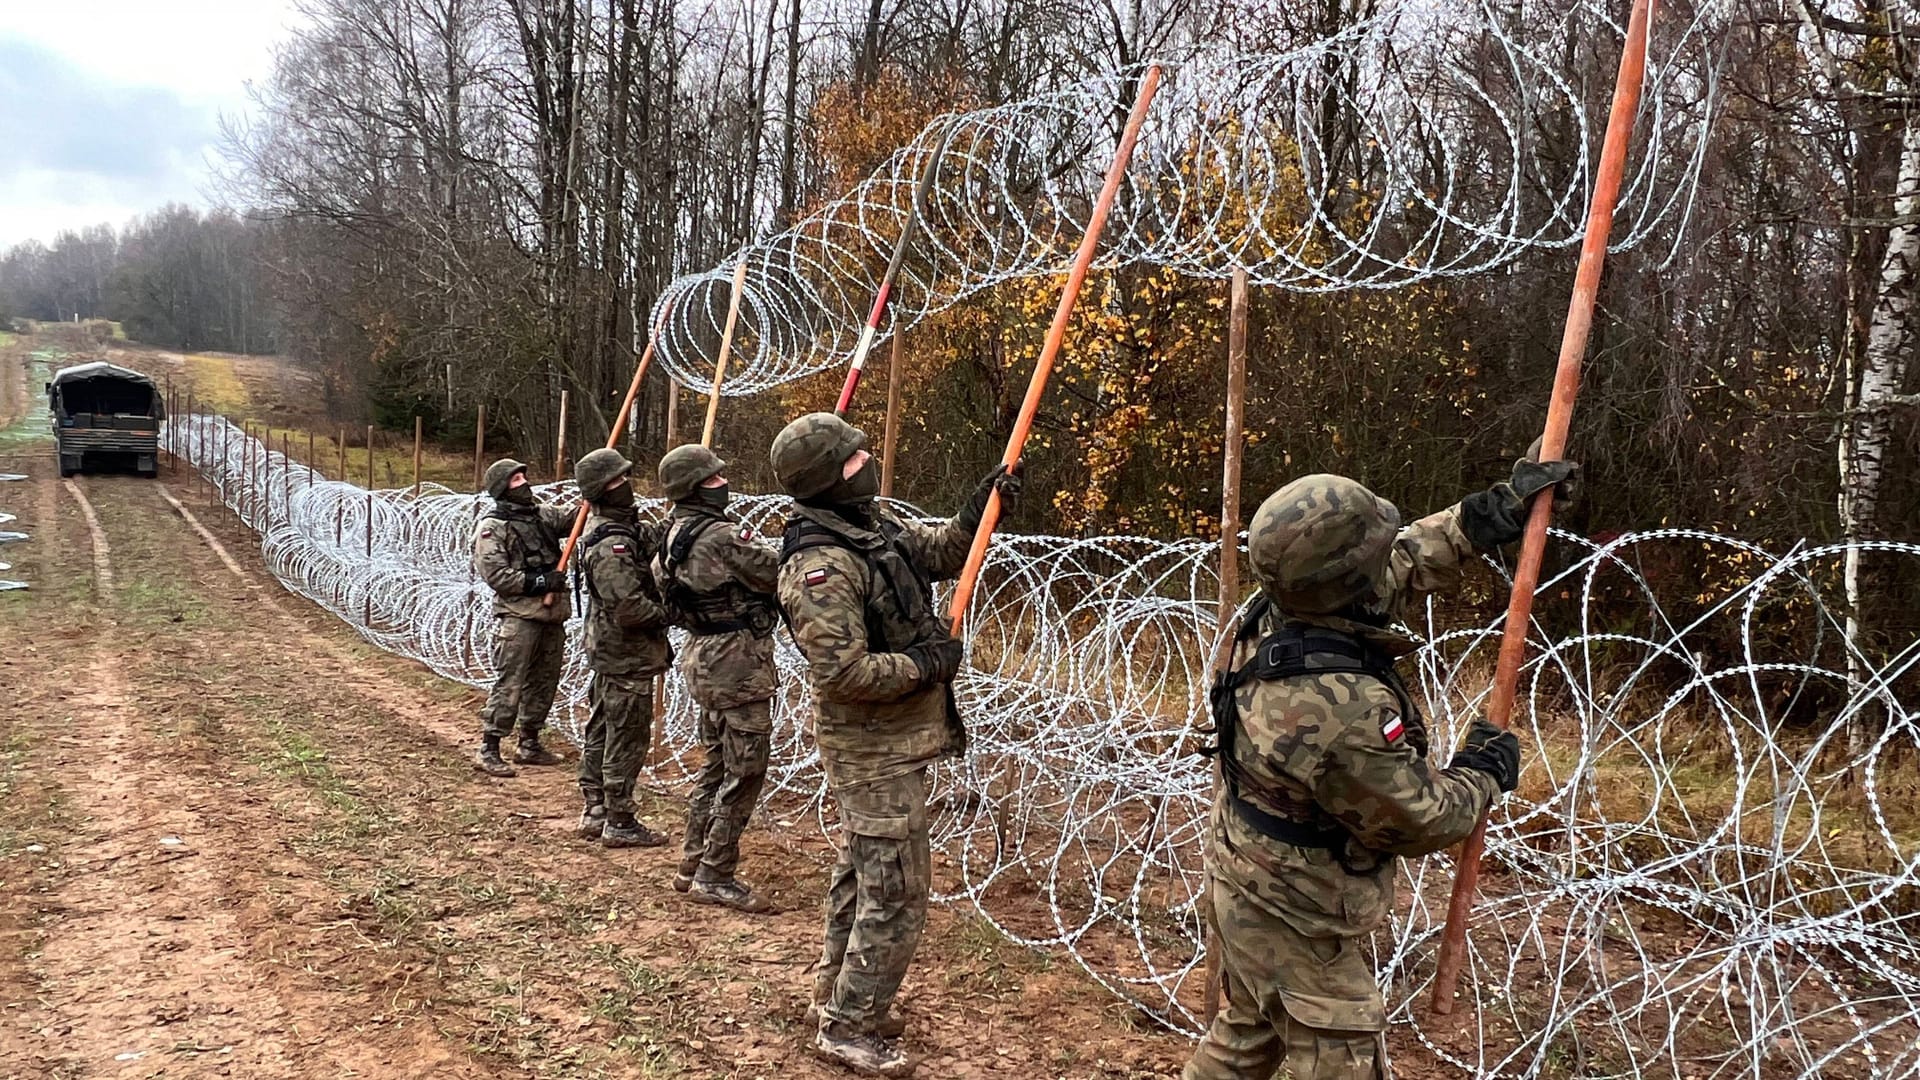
(237, 841)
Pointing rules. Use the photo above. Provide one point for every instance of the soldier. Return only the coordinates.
(626, 647)
(516, 551)
(720, 582)
(856, 585)
(1328, 782)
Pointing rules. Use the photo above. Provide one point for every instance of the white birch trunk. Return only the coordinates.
(1874, 404)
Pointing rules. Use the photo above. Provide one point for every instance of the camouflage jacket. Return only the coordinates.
(724, 572)
(626, 620)
(853, 606)
(511, 542)
(1338, 749)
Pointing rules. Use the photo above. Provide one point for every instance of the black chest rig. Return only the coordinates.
(905, 583)
(729, 608)
(1294, 650)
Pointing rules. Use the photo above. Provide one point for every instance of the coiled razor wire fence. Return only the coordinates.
(1709, 871)
(1440, 142)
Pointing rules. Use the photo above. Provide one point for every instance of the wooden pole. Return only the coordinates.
(479, 442)
(613, 437)
(1533, 545)
(1232, 452)
(313, 463)
(417, 431)
(366, 618)
(560, 442)
(341, 445)
(286, 474)
(1056, 335)
(726, 345)
(673, 414)
(915, 210)
(892, 435)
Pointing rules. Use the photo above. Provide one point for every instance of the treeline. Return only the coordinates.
(176, 278)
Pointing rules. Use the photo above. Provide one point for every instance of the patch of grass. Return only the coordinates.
(150, 600)
(987, 964)
(216, 385)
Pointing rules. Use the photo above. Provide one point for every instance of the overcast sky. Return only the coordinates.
(110, 108)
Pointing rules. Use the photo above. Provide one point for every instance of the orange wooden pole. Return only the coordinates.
(1037, 386)
(726, 346)
(613, 439)
(1566, 385)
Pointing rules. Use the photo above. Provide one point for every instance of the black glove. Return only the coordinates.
(1498, 515)
(1007, 480)
(542, 582)
(1491, 751)
(938, 661)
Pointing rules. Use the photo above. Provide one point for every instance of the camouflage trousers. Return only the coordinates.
(1309, 1001)
(727, 789)
(528, 655)
(876, 902)
(619, 731)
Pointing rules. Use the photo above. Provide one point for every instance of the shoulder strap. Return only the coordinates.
(682, 537)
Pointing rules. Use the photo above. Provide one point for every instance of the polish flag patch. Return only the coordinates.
(817, 577)
(619, 549)
(1393, 729)
(486, 534)
(746, 534)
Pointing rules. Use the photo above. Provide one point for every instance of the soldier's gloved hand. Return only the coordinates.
(1498, 515)
(1007, 481)
(938, 661)
(1491, 751)
(549, 581)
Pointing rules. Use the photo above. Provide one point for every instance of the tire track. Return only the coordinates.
(102, 554)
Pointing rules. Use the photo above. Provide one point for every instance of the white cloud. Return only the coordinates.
(114, 107)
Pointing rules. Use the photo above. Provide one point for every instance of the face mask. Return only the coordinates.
(522, 495)
(715, 497)
(619, 498)
(860, 488)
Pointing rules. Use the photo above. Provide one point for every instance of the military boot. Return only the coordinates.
(622, 831)
(728, 894)
(887, 1027)
(487, 759)
(532, 753)
(593, 822)
(869, 1055)
(683, 879)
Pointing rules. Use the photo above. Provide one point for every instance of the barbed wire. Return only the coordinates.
(1406, 149)
(1705, 872)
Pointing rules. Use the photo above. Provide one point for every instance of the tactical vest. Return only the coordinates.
(1292, 651)
(911, 589)
(539, 546)
(729, 608)
(582, 573)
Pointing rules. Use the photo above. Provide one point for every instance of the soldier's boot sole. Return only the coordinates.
(591, 826)
(889, 1026)
(862, 1057)
(683, 880)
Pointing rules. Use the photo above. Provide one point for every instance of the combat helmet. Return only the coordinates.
(597, 471)
(499, 475)
(685, 468)
(808, 453)
(1320, 543)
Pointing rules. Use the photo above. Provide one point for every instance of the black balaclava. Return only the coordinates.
(851, 497)
(617, 498)
(714, 498)
(519, 496)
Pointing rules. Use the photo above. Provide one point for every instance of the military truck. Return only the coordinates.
(105, 417)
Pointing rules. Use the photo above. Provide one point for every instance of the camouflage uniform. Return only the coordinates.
(1332, 757)
(626, 643)
(858, 597)
(720, 581)
(516, 548)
